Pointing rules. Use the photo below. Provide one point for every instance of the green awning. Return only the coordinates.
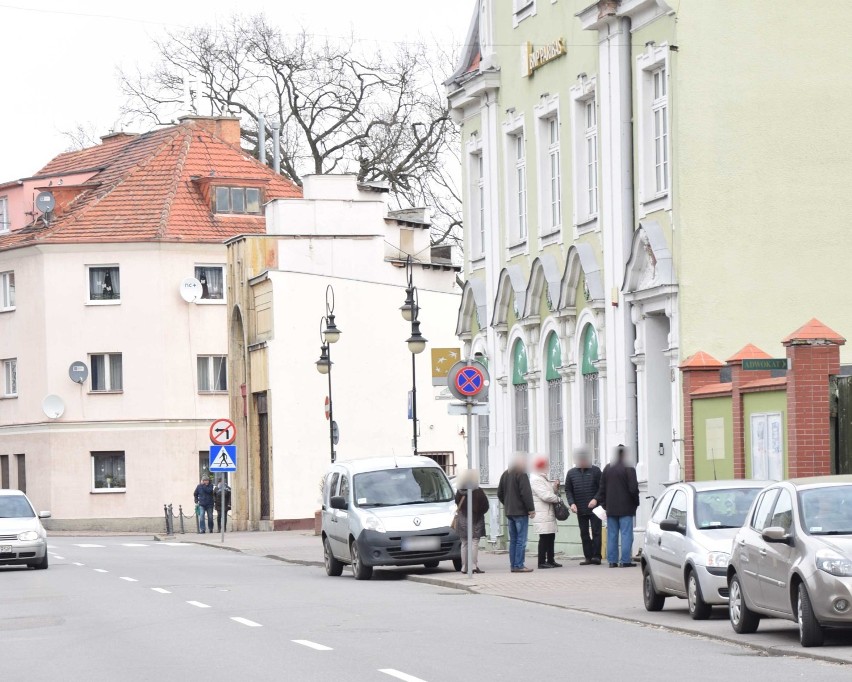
(590, 350)
(519, 363)
(554, 358)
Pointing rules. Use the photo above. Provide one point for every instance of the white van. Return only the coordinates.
(387, 511)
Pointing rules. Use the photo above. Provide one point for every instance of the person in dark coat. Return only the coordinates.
(480, 508)
(515, 494)
(618, 494)
(581, 486)
(221, 517)
(204, 500)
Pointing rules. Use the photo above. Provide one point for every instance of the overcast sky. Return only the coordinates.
(62, 58)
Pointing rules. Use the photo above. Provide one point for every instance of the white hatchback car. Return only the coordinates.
(23, 540)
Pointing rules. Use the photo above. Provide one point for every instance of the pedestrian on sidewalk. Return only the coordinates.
(618, 494)
(515, 495)
(545, 495)
(221, 517)
(204, 499)
(581, 486)
(480, 506)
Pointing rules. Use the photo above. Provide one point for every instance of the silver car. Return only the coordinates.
(688, 543)
(793, 559)
(23, 540)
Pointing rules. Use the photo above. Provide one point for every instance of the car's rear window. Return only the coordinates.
(15, 507)
(723, 508)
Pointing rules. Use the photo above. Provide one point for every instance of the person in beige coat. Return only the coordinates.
(544, 496)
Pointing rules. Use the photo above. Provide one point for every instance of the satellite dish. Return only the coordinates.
(53, 406)
(79, 372)
(45, 202)
(190, 290)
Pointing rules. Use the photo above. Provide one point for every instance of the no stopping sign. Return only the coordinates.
(468, 381)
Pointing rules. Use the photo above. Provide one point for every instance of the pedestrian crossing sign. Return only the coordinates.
(223, 458)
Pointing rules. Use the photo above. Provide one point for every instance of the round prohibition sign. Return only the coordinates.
(469, 381)
(223, 432)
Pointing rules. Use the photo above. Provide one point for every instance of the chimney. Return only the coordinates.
(226, 128)
(112, 138)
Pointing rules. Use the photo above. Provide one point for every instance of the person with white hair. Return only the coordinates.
(544, 497)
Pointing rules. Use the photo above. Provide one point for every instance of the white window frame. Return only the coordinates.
(654, 149)
(111, 301)
(7, 291)
(585, 213)
(214, 301)
(111, 453)
(522, 9)
(210, 373)
(475, 193)
(545, 112)
(107, 377)
(5, 222)
(517, 196)
(10, 378)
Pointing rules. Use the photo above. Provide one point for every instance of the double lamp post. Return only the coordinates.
(329, 334)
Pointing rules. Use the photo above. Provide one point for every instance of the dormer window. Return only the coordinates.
(237, 200)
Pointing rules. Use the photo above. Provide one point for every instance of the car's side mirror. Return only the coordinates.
(777, 534)
(338, 502)
(44, 514)
(672, 525)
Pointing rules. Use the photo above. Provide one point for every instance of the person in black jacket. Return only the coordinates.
(203, 495)
(221, 517)
(618, 494)
(581, 486)
(515, 494)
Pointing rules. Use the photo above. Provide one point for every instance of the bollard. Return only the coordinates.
(180, 512)
(166, 515)
(171, 521)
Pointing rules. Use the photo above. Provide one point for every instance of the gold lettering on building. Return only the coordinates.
(538, 57)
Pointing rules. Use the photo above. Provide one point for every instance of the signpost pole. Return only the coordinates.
(469, 561)
(222, 510)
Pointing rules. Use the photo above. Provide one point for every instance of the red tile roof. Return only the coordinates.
(815, 331)
(713, 389)
(701, 360)
(749, 352)
(773, 383)
(146, 189)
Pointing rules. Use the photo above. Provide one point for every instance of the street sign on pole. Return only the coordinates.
(223, 458)
(460, 409)
(223, 432)
(757, 364)
(327, 410)
(335, 433)
(468, 381)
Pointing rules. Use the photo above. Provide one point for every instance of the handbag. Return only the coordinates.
(560, 510)
(454, 524)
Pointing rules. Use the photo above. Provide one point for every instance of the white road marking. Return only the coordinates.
(133, 544)
(401, 676)
(56, 556)
(312, 645)
(100, 570)
(175, 544)
(88, 545)
(246, 621)
(198, 604)
(130, 580)
(77, 563)
(160, 590)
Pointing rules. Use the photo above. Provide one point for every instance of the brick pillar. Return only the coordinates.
(814, 355)
(698, 370)
(738, 378)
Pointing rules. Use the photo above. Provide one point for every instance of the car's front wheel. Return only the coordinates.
(743, 619)
(698, 608)
(810, 631)
(654, 601)
(333, 567)
(359, 570)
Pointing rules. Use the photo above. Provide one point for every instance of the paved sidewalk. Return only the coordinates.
(614, 593)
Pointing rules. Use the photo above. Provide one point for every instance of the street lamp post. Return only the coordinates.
(329, 334)
(416, 342)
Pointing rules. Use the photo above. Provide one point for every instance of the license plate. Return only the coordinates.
(5, 549)
(420, 544)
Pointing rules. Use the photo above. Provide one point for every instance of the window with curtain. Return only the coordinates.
(237, 200)
(10, 377)
(106, 372)
(212, 278)
(104, 283)
(7, 290)
(212, 373)
(108, 471)
(521, 397)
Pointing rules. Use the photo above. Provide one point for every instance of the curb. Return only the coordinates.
(297, 562)
(472, 588)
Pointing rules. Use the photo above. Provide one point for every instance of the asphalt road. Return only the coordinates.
(129, 609)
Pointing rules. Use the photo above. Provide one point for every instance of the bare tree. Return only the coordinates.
(81, 136)
(382, 116)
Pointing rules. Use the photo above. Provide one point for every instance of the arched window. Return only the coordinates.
(591, 392)
(521, 397)
(555, 440)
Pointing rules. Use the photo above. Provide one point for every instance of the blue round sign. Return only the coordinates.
(469, 381)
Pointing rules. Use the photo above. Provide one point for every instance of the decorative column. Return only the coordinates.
(813, 352)
(698, 370)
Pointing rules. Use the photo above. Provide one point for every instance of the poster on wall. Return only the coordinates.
(767, 446)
